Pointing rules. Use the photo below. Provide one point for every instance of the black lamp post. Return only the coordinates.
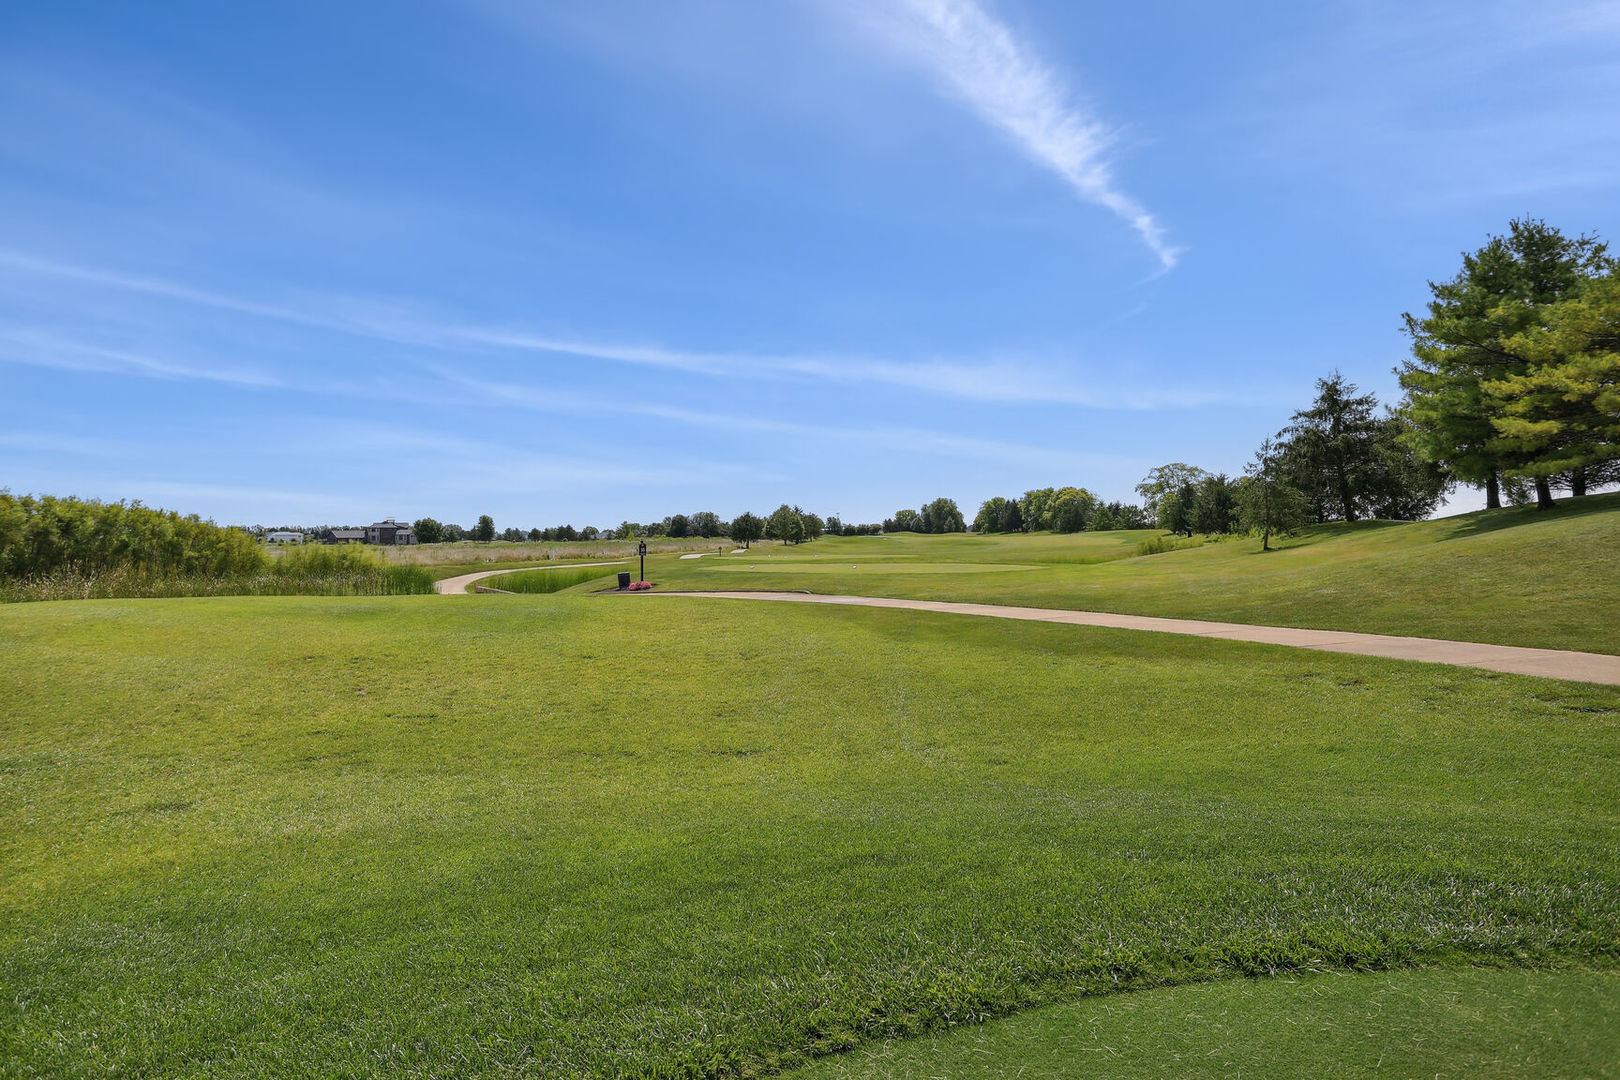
(643, 553)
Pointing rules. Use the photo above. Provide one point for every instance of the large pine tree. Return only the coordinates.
(1463, 347)
(1330, 453)
(1561, 414)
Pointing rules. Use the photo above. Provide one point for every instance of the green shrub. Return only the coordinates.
(46, 535)
(73, 549)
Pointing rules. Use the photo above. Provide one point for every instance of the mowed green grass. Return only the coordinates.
(1509, 577)
(1440, 1025)
(579, 835)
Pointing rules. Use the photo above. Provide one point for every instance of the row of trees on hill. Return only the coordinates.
(1065, 510)
(1515, 378)
(1338, 459)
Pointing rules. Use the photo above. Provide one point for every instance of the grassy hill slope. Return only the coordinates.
(1510, 577)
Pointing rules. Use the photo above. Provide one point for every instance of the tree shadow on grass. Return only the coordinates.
(1325, 532)
(1481, 522)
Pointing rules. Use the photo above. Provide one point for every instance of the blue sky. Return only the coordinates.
(314, 262)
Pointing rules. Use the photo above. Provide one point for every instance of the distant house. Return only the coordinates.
(283, 537)
(389, 531)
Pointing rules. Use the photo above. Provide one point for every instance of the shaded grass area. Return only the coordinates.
(578, 836)
(1508, 577)
(1442, 1025)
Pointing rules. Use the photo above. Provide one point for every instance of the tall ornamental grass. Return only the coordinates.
(550, 580)
(1158, 545)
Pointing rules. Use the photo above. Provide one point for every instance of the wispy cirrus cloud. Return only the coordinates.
(999, 380)
(898, 439)
(41, 349)
(980, 62)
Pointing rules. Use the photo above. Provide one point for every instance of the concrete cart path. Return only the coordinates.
(1512, 659)
(457, 586)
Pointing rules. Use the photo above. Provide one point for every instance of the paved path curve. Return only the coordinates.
(1512, 659)
(457, 586)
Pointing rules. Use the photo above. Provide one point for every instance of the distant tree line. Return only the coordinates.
(1063, 510)
(789, 524)
(1338, 459)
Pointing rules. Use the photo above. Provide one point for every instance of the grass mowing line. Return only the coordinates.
(290, 837)
(1508, 659)
(1463, 1024)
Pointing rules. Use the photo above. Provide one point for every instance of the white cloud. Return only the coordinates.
(891, 438)
(981, 63)
(994, 380)
(40, 349)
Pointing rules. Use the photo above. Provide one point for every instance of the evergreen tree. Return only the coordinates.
(1175, 508)
(1504, 290)
(1330, 452)
(1214, 506)
(1404, 486)
(1561, 415)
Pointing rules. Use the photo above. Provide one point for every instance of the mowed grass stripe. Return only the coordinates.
(285, 837)
(1463, 1024)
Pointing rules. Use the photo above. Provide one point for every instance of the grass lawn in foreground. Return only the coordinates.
(1464, 1024)
(1508, 577)
(581, 835)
